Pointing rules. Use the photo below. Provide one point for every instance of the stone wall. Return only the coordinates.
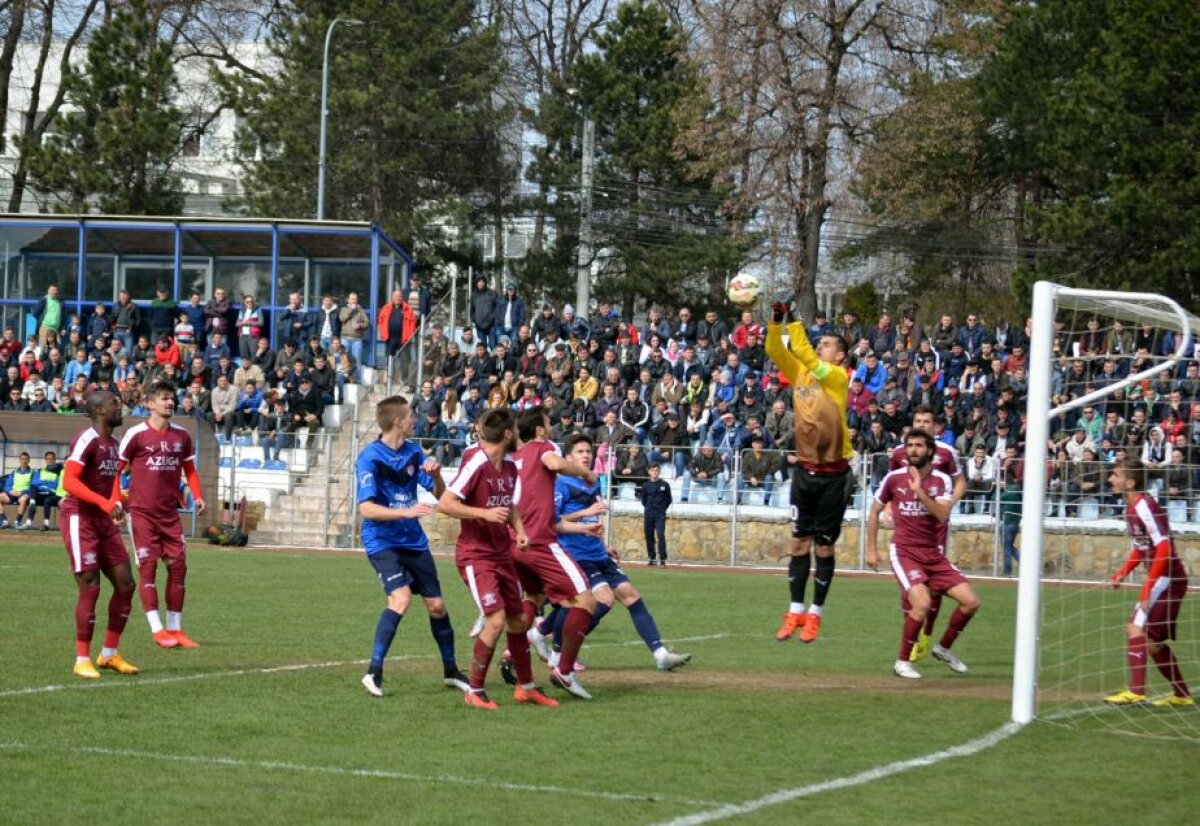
(764, 541)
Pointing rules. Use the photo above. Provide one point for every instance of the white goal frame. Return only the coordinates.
(1046, 297)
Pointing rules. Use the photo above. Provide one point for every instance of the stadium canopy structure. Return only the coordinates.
(92, 257)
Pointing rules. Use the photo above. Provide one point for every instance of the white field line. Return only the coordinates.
(869, 776)
(275, 765)
(246, 672)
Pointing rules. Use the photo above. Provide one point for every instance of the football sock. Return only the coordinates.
(575, 628)
(958, 621)
(935, 607)
(147, 588)
(815, 610)
(1136, 656)
(155, 621)
(823, 579)
(908, 638)
(798, 568)
(118, 614)
(560, 620)
(176, 574)
(443, 635)
(546, 626)
(796, 608)
(1164, 658)
(601, 611)
(85, 618)
(385, 632)
(529, 611)
(645, 625)
(481, 660)
(174, 620)
(518, 649)
(107, 651)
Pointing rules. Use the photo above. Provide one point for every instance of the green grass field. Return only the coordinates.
(268, 723)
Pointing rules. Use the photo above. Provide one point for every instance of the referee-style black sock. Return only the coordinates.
(824, 577)
(798, 576)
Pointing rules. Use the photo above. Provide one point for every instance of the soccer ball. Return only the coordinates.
(743, 290)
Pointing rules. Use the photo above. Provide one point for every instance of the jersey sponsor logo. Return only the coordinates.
(911, 508)
(162, 462)
(499, 501)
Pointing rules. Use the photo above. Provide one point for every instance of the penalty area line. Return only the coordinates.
(339, 771)
(869, 776)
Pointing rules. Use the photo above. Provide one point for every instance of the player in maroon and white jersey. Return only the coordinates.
(1152, 626)
(159, 453)
(88, 519)
(545, 568)
(921, 499)
(483, 495)
(945, 460)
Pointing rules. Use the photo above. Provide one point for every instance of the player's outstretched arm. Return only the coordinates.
(557, 464)
(780, 354)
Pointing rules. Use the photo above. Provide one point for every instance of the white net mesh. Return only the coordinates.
(1099, 341)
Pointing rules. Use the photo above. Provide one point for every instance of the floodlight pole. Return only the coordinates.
(325, 111)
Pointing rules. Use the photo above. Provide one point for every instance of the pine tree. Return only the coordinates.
(114, 149)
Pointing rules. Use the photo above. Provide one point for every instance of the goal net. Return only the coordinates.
(1108, 375)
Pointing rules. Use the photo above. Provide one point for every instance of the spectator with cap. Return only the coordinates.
(1001, 439)
(484, 308)
(759, 466)
(546, 322)
(510, 312)
(850, 329)
(892, 393)
(574, 326)
(671, 445)
(705, 470)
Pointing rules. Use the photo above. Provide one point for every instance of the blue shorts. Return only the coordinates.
(398, 568)
(603, 573)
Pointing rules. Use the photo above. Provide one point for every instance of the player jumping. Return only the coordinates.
(922, 499)
(822, 480)
(388, 472)
(580, 504)
(1152, 626)
(483, 495)
(159, 452)
(89, 520)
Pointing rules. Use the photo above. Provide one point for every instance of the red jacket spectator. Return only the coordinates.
(168, 354)
(410, 321)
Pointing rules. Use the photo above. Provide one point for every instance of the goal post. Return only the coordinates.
(1049, 301)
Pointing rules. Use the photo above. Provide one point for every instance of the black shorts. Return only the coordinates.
(399, 568)
(818, 504)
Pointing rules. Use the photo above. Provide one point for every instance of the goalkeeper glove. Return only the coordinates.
(780, 312)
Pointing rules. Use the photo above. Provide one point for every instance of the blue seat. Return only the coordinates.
(243, 440)
(226, 461)
(251, 464)
(221, 440)
(275, 464)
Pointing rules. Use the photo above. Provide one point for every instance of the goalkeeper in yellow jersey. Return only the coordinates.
(822, 479)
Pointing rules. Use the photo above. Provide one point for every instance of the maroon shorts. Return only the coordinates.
(494, 585)
(93, 542)
(938, 574)
(156, 536)
(549, 570)
(1163, 610)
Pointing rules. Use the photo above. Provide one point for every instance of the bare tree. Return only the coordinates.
(794, 85)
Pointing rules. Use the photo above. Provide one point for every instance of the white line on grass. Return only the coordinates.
(275, 765)
(869, 776)
(245, 672)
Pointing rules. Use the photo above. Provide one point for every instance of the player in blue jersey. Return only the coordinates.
(388, 472)
(578, 503)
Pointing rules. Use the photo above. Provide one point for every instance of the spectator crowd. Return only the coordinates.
(693, 394)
